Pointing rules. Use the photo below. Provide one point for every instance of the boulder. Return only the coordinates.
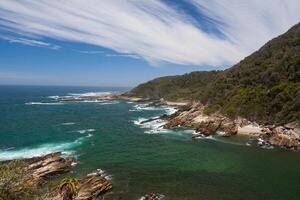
(283, 140)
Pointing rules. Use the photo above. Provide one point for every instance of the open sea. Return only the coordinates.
(141, 158)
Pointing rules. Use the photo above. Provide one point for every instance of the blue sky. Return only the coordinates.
(124, 43)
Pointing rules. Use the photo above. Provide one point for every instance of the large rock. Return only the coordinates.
(282, 137)
(24, 177)
(283, 140)
(90, 188)
(50, 165)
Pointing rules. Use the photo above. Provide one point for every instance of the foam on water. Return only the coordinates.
(67, 148)
(100, 172)
(86, 131)
(44, 103)
(90, 94)
(109, 102)
(153, 127)
(53, 97)
(144, 107)
(68, 123)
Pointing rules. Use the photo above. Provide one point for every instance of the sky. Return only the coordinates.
(127, 42)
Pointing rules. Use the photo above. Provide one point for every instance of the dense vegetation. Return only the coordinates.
(265, 86)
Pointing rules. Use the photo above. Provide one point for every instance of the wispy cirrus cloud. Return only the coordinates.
(29, 42)
(154, 30)
(250, 24)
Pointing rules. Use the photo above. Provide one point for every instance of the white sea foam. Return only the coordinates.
(100, 172)
(86, 131)
(152, 127)
(44, 103)
(53, 97)
(170, 110)
(109, 102)
(90, 94)
(67, 148)
(144, 107)
(68, 123)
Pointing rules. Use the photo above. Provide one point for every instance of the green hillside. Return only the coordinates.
(264, 87)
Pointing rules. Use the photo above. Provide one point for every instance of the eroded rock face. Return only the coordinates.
(90, 188)
(50, 165)
(30, 175)
(282, 137)
(192, 116)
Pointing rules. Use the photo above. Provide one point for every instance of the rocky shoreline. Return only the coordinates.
(192, 115)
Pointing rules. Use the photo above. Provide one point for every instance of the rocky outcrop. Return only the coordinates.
(90, 188)
(282, 136)
(193, 116)
(24, 178)
(41, 168)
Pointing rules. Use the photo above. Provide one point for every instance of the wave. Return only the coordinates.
(90, 94)
(44, 103)
(68, 123)
(86, 131)
(109, 102)
(100, 172)
(53, 97)
(67, 148)
(155, 126)
(144, 107)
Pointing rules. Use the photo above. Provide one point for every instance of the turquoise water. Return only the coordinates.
(141, 159)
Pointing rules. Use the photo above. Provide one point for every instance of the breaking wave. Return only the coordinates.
(100, 172)
(67, 148)
(144, 107)
(90, 94)
(44, 103)
(153, 127)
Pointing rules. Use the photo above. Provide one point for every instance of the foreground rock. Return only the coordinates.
(41, 168)
(23, 178)
(90, 188)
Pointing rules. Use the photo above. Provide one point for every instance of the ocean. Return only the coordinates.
(141, 158)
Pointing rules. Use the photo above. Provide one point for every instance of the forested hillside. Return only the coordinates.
(265, 86)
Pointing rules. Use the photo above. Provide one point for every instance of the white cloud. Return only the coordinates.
(251, 23)
(153, 30)
(29, 42)
(89, 52)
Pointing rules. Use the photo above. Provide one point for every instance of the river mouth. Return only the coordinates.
(145, 159)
